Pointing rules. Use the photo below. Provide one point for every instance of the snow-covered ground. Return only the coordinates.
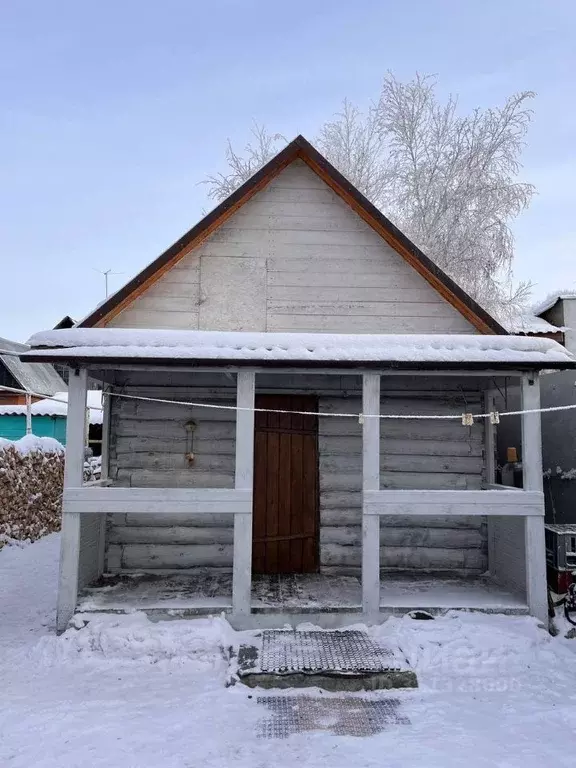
(494, 691)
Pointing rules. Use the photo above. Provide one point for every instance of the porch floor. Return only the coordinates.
(206, 591)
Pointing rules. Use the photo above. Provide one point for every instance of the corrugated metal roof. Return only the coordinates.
(33, 377)
(529, 323)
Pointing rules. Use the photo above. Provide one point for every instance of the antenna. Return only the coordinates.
(106, 273)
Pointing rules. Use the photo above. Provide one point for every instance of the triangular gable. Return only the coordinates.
(302, 150)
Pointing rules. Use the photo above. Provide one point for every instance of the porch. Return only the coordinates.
(389, 523)
(508, 521)
(333, 600)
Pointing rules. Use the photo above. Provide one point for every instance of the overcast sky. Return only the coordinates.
(112, 111)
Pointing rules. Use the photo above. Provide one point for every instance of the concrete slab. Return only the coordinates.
(347, 660)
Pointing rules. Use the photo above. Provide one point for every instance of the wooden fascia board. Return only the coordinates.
(205, 228)
(387, 235)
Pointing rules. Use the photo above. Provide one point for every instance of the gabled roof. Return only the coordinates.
(36, 377)
(303, 150)
(66, 322)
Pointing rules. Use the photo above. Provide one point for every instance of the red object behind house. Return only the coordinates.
(559, 581)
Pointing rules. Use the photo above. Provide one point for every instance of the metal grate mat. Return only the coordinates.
(340, 716)
(320, 651)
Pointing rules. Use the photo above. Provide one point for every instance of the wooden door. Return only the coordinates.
(285, 530)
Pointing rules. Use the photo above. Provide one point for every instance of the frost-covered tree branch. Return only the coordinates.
(257, 153)
(448, 180)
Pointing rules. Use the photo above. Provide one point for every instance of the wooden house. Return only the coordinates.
(40, 379)
(284, 437)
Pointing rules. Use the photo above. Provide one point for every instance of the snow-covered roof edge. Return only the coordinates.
(38, 377)
(550, 300)
(122, 343)
(58, 407)
(530, 323)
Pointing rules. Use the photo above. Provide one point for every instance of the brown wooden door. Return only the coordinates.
(285, 531)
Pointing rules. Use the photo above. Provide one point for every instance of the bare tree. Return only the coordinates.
(355, 144)
(449, 181)
(241, 167)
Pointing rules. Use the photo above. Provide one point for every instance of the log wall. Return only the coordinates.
(150, 443)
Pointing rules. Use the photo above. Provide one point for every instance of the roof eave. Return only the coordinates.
(473, 365)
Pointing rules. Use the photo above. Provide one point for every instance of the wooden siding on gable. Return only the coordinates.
(294, 258)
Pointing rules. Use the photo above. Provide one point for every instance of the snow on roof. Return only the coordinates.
(30, 443)
(529, 323)
(58, 407)
(123, 343)
(33, 377)
(551, 299)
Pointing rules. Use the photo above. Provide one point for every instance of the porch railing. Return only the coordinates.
(522, 505)
(445, 503)
(102, 500)
(142, 501)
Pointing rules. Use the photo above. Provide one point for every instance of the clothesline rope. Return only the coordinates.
(493, 415)
(44, 397)
(465, 417)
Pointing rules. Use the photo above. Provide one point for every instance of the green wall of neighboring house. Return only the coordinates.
(13, 427)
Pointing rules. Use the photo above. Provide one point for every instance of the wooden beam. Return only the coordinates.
(534, 544)
(370, 482)
(337, 369)
(73, 477)
(158, 501)
(244, 480)
(104, 475)
(499, 503)
(490, 466)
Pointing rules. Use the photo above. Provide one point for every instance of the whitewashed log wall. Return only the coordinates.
(148, 448)
(294, 258)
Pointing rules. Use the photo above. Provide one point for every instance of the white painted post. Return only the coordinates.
(244, 480)
(490, 457)
(104, 473)
(28, 414)
(370, 482)
(534, 543)
(73, 478)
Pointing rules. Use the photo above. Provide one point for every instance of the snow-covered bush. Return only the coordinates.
(31, 481)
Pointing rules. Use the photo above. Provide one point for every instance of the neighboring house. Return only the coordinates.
(66, 322)
(40, 378)
(49, 419)
(555, 317)
(297, 296)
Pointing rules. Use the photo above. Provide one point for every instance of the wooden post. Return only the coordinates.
(244, 480)
(28, 414)
(104, 473)
(73, 478)
(490, 458)
(534, 544)
(370, 482)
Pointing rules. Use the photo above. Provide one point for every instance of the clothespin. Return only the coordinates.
(360, 418)
(468, 419)
(494, 417)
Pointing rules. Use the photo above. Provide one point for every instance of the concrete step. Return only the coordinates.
(346, 660)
